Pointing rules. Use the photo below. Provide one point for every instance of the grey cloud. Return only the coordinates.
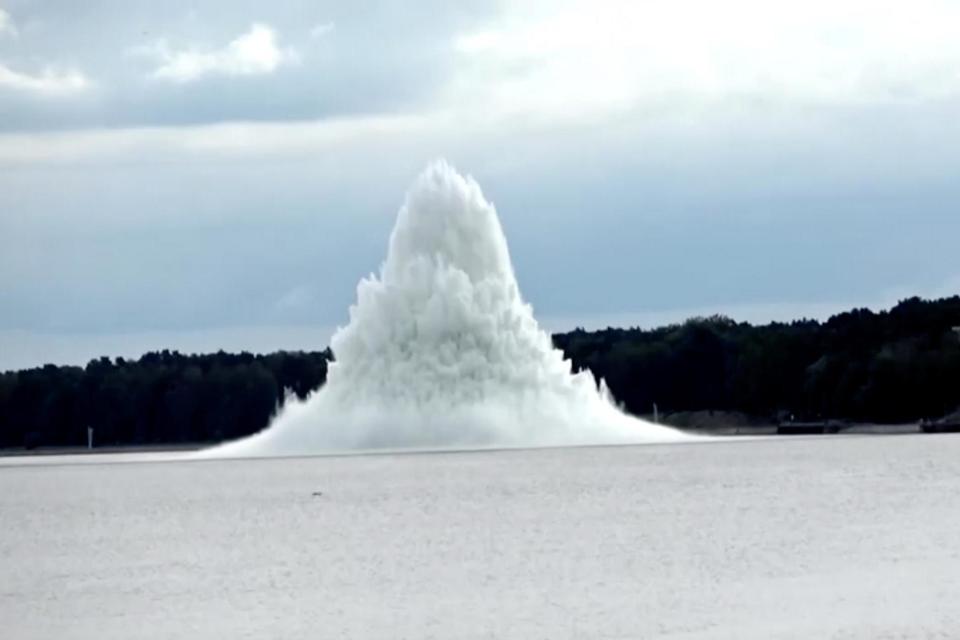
(654, 209)
(7, 27)
(381, 58)
(599, 221)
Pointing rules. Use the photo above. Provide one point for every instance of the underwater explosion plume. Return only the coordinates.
(441, 351)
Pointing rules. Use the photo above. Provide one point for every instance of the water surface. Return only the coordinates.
(838, 537)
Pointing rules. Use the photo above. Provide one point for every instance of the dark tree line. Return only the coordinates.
(161, 398)
(893, 366)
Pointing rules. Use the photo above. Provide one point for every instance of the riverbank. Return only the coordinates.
(710, 423)
(734, 423)
(135, 448)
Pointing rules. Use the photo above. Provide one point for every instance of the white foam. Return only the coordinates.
(441, 351)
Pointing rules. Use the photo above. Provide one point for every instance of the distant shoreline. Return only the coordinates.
(784, 430)
(132, 448)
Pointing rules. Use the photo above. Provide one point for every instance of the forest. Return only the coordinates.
(895, 366)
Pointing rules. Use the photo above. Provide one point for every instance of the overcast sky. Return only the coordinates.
(221, 175)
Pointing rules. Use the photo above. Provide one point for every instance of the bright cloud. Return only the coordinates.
(322, 29)
(583, 56)
(255, 52)
(49, 81)
(7, 28)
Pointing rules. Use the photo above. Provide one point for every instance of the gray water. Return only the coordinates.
(838, 537)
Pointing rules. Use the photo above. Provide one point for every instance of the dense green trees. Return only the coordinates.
(892, 366)
(163, 397)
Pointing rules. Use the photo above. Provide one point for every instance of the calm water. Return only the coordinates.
(784, 538)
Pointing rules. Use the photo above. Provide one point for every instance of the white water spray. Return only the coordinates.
(442, 352)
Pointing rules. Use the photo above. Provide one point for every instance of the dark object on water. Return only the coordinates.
(940, 427)
(317, 494)
(801, 428)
